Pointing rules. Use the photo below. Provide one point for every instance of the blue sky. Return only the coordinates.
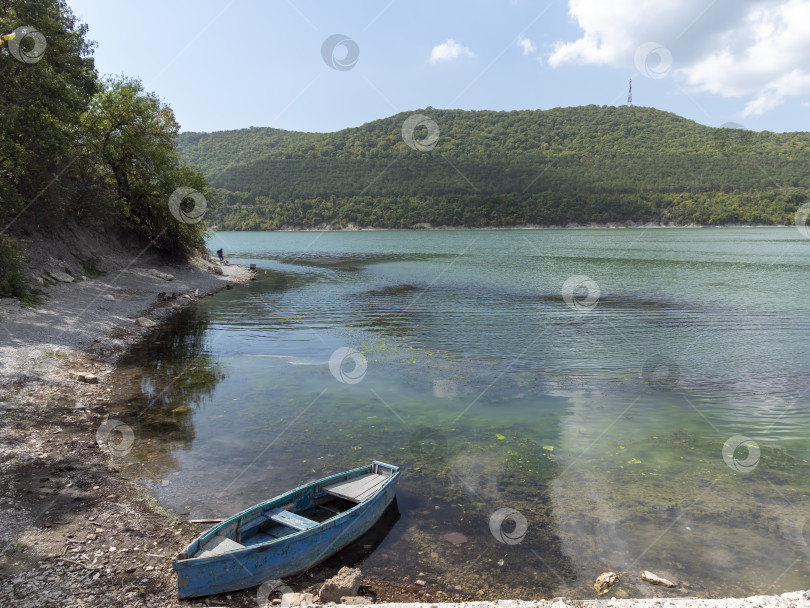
(240, 63)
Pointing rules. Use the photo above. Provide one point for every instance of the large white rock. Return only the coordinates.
(344, 584)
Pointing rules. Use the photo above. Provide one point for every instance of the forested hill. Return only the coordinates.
(567, 165)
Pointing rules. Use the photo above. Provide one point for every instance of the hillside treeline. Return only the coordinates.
(557, 167)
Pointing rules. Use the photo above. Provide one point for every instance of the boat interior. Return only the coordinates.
(295, 512)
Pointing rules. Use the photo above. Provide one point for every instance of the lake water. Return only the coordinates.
(568, 401)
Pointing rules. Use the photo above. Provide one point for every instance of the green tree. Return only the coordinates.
(130, 136)
(41, 101)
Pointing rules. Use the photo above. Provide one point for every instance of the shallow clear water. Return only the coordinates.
(661, 424)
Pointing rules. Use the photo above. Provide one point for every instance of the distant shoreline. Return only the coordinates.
(507, 228)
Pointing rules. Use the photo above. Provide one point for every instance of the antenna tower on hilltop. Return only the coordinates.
(630, 94)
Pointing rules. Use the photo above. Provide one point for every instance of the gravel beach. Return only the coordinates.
(72, 531)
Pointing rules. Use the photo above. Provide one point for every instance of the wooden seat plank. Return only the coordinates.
(293, 520)
(357, 489)
(218, 544)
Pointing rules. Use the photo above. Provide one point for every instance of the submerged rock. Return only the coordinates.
(654, 579)
(344, 584)
(605, 581)
(457, 538)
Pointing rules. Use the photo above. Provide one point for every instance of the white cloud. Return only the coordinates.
(526, 45)
(754, 49)
(447, 51)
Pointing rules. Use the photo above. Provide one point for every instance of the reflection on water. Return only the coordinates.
(607, 437)
(160, 398)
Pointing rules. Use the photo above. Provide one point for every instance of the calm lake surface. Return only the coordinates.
(568, 401)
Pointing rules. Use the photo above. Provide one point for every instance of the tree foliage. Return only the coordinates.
(130, 136)
(72, 145)
(564, 166)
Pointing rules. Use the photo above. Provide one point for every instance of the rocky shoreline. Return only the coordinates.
(73, 532)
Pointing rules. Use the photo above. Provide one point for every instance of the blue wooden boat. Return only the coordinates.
(286, 534)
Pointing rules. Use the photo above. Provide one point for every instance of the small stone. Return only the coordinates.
(355, 599)
(654, 579)
(87, 377)
(605, 581)
(291, 600)
(144, 322)
(61, 276)
(109, 297)
(161, 275)
(421, 582)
